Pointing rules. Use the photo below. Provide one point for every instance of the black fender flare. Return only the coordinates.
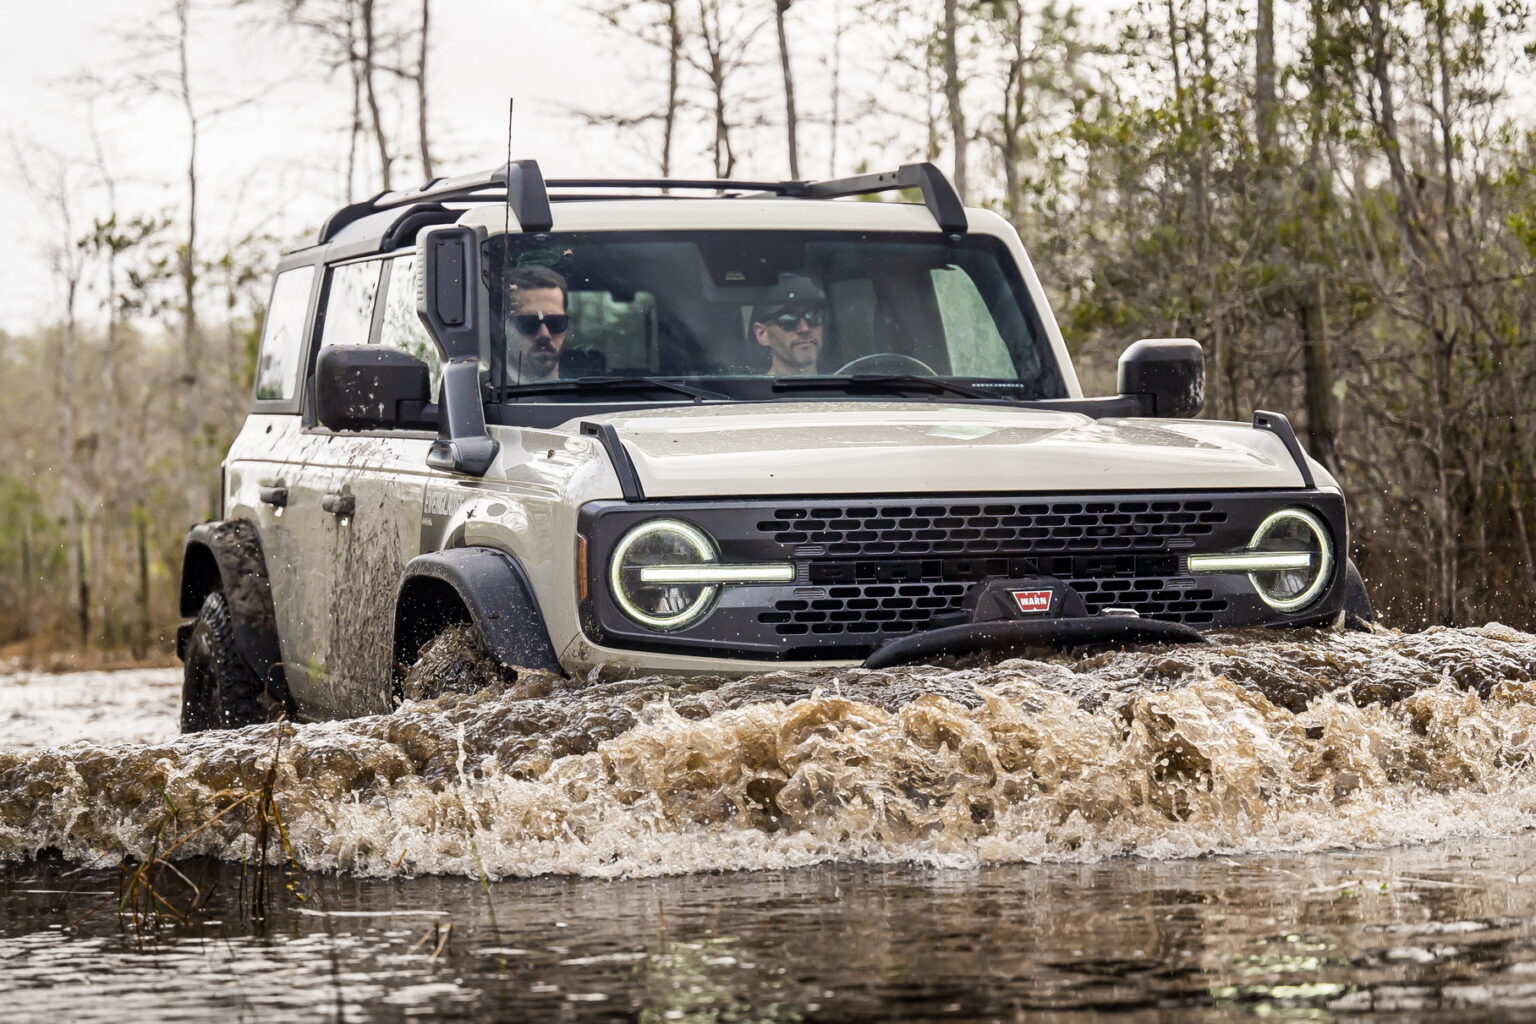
(226, 555)
(493, 589)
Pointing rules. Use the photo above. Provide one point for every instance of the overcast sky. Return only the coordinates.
(277, 162)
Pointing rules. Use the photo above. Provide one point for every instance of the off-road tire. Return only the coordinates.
(1358, 613)
(218, 691)
(456, 660)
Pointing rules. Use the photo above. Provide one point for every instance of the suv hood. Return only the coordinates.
(710, 451)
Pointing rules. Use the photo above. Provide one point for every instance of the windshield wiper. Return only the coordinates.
(881, 382)
(611, 384)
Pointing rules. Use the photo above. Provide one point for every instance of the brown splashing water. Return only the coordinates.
(1313, 741)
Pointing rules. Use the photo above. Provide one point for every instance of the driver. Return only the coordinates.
(537, 322)
(790, 327)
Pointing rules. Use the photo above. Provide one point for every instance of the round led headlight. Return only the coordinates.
(1296, 581)
(677, 601)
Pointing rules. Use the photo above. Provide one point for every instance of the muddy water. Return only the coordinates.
(1323, 824)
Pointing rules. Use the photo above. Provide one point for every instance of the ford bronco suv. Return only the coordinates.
(602, 422)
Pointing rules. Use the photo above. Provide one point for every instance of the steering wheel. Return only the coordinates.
(887, 362)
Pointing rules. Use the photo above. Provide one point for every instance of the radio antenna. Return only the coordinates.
(506, 226)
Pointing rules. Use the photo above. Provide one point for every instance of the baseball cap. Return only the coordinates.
(792, 290)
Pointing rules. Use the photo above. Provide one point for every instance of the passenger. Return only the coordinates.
(790, 327)
(537, 320)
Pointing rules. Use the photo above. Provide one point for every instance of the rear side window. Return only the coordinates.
(282, 339)
(402, 327)
(349, 304)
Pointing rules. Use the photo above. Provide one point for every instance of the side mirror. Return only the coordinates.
(455, 307)
(363, 387)
(1168, 373)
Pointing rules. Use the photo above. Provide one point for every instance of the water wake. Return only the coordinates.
(1311, 741)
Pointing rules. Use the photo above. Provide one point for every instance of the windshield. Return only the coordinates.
(715, 306)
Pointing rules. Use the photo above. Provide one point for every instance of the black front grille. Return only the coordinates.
(883, 608)
(924, 557)
(968, 529)
(895, 596)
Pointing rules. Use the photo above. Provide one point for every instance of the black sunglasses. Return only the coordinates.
(789, 321)
(528, 323)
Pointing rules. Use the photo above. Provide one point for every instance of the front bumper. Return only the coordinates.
(1014, 636)
(869, 571)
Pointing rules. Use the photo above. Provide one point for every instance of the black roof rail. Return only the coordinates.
(521, 184)
(715, 184)
(938, 194)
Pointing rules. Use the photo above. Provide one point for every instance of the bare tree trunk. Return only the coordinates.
(1318, 372)
(355, 131)
(369, 61)
(82, 582)
(780, 8)
(674, 66)
(26, 575)
(957, 129)
(711, 33)
(1264, 81)
(421, 93)
(141, 634)
(837, 87)
(1441, 332)
(1012, 118)
(110, 184)
(1316, 190)
(189, 326)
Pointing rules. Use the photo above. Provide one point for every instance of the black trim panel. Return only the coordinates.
(623, 466)
(1277, 424)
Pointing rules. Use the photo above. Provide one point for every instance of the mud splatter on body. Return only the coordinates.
(1309, 741)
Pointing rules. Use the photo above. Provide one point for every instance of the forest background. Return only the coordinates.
(1337, 199)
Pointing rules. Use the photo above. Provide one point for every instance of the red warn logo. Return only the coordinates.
(1032, 600)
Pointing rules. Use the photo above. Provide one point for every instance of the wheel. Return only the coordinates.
(219, 690)
(454, 661)
(1357, 601)
(887, 362)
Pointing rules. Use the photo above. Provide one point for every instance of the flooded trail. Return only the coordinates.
(1306, 742)
(40, 709)
(1445, 933)
(1308, 827)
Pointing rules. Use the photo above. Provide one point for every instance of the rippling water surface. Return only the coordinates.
(1311, 826)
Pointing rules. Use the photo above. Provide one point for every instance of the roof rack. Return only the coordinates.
(938, 194)
(522, 186)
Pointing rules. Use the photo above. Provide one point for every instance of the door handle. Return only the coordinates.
(339, 504)
(277, 497)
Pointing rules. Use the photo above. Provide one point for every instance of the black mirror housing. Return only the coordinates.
(1167, 373)
(363, 387)
(454, 305)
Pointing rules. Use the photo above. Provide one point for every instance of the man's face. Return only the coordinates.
(537, 355)
(793, 337)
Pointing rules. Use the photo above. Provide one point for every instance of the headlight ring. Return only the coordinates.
(1292, 530)
(665, 606)
(1288, 560)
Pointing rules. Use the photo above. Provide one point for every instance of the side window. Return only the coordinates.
(349, 306)
(282, 337)
(402, 328)
(976, 348)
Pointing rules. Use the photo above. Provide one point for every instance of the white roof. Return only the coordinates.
(664, 213)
